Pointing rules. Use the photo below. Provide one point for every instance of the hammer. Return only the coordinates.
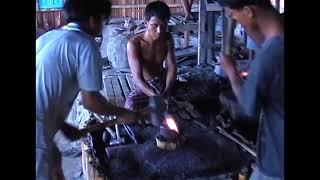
(157, 107)
(74, 133)
(118, 139)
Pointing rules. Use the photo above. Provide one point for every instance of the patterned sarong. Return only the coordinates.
(137, 100)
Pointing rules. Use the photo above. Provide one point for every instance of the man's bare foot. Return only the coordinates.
(188, 17)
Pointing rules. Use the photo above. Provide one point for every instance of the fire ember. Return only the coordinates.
(169, 137)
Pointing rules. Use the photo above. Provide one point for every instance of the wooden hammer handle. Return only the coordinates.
(99, 126)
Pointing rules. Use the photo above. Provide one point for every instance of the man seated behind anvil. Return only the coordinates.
(146, 53)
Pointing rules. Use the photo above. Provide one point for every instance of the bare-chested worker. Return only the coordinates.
(147, 53)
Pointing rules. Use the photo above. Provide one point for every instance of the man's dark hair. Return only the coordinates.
(157, 9)
(82, 10)
(238, 4)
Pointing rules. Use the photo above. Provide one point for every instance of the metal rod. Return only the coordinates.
(245, 147)
(117, 131)
(99, 126)
(111, 132)
(130, 133)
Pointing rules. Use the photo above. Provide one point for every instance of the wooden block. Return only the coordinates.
(162, 144)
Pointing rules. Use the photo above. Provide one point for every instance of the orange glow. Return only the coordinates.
(244, 74)
(171, 123)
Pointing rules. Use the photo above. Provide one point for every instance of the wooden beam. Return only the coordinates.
(202, 33)
(186, 52)
(183, 27)
(142, 6)
(123, 9)
(211, 36)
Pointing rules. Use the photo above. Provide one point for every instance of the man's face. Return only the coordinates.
(246, 16)
(156, 27)
(243, 17)
(96, 24)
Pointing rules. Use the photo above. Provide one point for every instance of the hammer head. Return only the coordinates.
(158, 107)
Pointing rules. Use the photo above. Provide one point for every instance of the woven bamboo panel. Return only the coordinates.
(120, 8)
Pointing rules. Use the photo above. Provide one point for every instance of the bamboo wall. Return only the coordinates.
(135, 8)
(120, 8)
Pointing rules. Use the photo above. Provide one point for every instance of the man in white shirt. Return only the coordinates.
(68, 61)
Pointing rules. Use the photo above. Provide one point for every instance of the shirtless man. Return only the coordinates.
(147, 53)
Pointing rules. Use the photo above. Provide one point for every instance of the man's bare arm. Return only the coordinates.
(229, 68)
(136, 68)
(235, 82)
(171, 66)
(96, 103)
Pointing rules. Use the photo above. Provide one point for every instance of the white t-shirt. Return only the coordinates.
(67, 60)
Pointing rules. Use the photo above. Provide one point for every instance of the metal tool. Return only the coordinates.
(73, 133)
(130, 133)
(118, 140)
(157, 108)
(111, 132)
(241, 137)
(229, 136)
(244, 146)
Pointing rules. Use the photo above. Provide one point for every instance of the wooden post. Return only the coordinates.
(186, 38)
(123, 9)
(211, 36)
(227, 36)
(202, 33)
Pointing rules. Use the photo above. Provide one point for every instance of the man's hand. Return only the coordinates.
(71, 132)
(166, 93)
(152, 92)
(130, 117)
(227, 63)
(57, 173)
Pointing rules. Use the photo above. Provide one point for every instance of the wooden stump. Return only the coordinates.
(89, 172)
